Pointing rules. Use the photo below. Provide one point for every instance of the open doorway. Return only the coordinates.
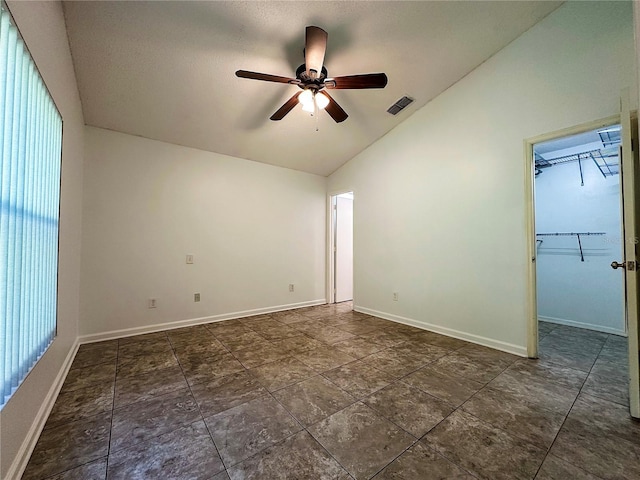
(341, 248)
(578, 231)
(580, 299)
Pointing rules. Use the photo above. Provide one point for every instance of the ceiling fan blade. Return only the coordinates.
(265, 77)
(286, 108)
(315, 47)
(367, 80)
(335, 110)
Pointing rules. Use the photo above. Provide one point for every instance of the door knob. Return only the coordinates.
(628, 265)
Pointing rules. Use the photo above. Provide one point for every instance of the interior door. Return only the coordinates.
(631, 228)
(344, 248)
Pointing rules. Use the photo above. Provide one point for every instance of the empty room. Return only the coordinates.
(319, 240)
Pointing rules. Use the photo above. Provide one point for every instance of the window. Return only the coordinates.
(30, 156)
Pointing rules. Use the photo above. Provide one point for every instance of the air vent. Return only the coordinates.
(399, 105)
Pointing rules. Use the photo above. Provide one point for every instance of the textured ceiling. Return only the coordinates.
(165, 70)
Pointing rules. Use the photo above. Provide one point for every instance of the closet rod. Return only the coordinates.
(570, 234)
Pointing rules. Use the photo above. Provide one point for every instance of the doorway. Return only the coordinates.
(341, 248)
(576, 236)
(578, 231)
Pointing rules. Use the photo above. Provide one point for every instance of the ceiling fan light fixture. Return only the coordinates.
(321, 101)
(306, 98)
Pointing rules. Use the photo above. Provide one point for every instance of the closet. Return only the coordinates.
(578, 231)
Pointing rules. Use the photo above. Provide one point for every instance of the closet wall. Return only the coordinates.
(580, 293)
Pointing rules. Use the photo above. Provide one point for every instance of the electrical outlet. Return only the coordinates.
(152, 303)
(189, 259)
(291, 287)
(196, 297)
(395, 296)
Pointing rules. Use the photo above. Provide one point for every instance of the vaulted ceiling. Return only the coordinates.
(165, 70)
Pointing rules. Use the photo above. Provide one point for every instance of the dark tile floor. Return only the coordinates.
(328, 393)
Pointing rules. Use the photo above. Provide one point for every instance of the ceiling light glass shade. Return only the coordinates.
(306, 98)
(308, 107)
(321, 100)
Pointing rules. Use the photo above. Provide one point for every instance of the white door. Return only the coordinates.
(631, 228)
(344, 248)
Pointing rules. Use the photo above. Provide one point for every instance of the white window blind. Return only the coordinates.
(30, 156)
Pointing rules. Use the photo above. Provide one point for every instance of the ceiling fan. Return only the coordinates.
(312, 79)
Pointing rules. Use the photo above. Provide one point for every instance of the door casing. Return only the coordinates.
(532, 307)
(330, 239)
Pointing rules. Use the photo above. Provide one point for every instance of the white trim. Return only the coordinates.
(128, 332)
(330, 239)
(340, 191)
(21, 459)
(330, 270)
(587, 326)
(532, 252)
(449, 332)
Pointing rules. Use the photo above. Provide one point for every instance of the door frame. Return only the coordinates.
(331, 243)
(530, 220)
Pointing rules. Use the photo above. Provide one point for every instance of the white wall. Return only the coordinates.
(253, 229)
(583, 294)
(440, 211)
(42, 26)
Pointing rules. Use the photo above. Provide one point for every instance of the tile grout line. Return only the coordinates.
(275, 399)
(416, 439)
(304, 428)
(81, 419)
(555, 438)
(165, 394)
(459, 407)
(224, 469)
(361, 400)
(357, 400)
(113, 408)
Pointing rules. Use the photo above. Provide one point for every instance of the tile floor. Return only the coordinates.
(328, 393)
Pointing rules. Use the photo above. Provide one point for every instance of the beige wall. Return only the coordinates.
(253, 230)
(42, 26)
(440, 200)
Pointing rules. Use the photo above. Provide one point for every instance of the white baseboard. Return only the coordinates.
(487, 342)
(19, 463)
(588, 326)
(128, 332)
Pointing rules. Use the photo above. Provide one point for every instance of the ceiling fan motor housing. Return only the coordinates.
(307, 82)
